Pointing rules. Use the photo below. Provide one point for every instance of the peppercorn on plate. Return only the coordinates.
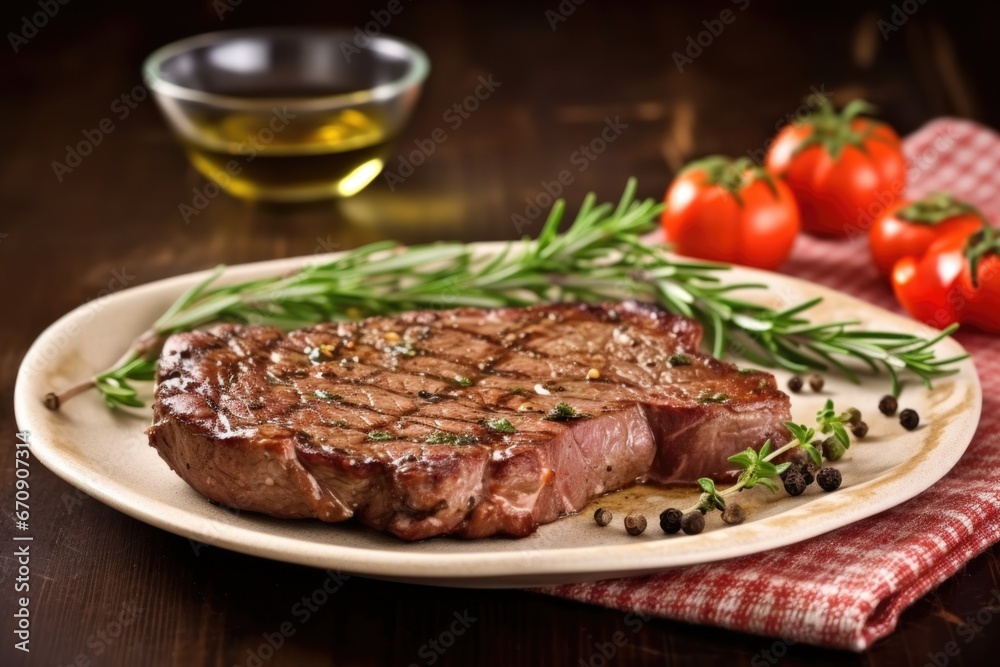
(106, 454)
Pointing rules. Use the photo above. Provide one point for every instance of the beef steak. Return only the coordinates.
(470, 422)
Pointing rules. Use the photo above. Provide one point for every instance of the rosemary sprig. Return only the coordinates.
(600, 257)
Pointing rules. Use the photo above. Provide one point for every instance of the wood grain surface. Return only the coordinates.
(109, 590)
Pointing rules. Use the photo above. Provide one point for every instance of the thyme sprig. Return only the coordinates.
(758, 469)
(601, 256)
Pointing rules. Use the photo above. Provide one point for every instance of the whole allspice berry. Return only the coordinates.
(635, 524)
(734, 514)
(693, 523)
(602, 517)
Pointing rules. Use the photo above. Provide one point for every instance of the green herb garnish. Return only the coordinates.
(380, 435)
(679, 360)
(563, 412)
(384, 278)
(327, 396)
(714, 398)
(500, 426)
(758, 467)
(444, 438)
(829, 420)
(402, 350)
(463, 381)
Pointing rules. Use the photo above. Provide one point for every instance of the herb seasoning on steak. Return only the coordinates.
(469, 422)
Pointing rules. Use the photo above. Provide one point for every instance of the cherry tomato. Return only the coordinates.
(730, 211)
(957, 280)
(909, 228)
(843, 169)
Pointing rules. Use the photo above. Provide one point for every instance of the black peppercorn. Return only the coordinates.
(795, 384)
(853, 416)
(829, 479)
(909, 419)
(799, 468)
(602, 517)
(635, 524)
(888, 405)
(807, 473)
(860, 429)
(734, 514)
(795, 483)
(693, 523)
(670, 520)
(816, 382)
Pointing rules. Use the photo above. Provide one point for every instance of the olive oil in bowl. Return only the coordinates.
(287, 156)
(287, 114)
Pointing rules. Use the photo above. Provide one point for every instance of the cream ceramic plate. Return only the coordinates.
(106, 455)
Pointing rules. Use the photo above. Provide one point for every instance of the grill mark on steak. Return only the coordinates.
(238, 417)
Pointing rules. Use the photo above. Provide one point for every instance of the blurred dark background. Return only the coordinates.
(558, 85)
(562, 74)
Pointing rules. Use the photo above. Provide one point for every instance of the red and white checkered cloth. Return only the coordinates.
(863, 576)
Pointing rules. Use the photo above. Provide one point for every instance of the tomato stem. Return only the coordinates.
(834, 131)
(981, 244)
(937, 207)
(733, 175)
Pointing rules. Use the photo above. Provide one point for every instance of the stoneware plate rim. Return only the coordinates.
(483, 563)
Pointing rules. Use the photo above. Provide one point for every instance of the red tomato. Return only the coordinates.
(909, 228)
(729, 211)
(842, 168)
(957, 280)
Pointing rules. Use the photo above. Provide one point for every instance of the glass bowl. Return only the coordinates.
(287, 114)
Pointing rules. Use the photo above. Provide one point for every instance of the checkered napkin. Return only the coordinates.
(863, 576)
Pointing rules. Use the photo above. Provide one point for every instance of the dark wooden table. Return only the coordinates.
(116, 216)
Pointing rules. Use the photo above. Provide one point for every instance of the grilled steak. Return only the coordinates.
(469, 422)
